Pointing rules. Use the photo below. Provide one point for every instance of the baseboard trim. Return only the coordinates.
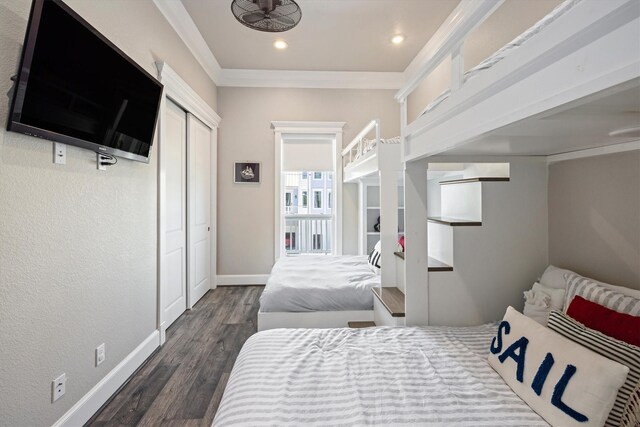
(91, 402)
(242, 279)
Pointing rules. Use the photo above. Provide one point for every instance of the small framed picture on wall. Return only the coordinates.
(246, 172)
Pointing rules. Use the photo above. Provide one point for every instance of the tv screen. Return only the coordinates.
(76, 87)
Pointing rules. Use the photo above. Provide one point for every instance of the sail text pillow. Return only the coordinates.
(562, 381)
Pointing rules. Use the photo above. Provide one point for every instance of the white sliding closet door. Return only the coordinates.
(174, 258)
(199, 151)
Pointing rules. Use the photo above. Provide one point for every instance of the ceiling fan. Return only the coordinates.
(273, 16)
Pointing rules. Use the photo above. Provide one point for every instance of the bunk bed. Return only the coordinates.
(328, 291)
(569, 83)
(588, 54)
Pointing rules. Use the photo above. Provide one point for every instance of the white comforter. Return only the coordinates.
(319, 283)
(372, 376)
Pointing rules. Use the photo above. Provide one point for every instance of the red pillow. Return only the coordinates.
(621, 326)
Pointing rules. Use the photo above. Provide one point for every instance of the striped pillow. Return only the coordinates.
(595, 292)
(374, 258)
(626, 408)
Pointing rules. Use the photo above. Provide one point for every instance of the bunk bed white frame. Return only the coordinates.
(382, 163)
(385, 160)
(590, 51)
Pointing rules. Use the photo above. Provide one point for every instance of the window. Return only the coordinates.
(329, 199)
(305, 175)
(305, 197)
(317, 175)
(317, 242)
(317, 199)
(287, 198)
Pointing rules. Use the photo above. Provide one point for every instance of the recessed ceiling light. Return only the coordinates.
(280, 44)
(397, 39)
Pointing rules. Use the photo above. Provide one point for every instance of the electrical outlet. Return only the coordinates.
(59, 153)
(58, 387)
(100, 354)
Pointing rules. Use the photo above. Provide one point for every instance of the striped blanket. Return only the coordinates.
(371, 376)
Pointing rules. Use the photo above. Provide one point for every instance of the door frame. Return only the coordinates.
(291, 130)
(179, 92)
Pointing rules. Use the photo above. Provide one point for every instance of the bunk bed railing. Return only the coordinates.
(447, 42)
(356, 143)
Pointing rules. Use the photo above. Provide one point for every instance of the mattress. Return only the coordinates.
(319, 283)
(371, 376)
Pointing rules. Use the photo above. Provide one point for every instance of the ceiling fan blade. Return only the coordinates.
(252, 18)
(283, 20)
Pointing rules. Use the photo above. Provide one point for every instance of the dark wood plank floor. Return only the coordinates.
(182, 383)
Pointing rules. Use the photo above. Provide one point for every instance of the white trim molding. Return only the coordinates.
(180, 92)
(597, 151)
(178, 17)
(242, 279)
(91, 402)
(312, 79)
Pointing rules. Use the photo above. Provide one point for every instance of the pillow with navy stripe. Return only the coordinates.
(626, 409)
(595, 292)
(374, 258)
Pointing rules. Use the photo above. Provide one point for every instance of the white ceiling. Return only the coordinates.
(581, 125)
(333, 35)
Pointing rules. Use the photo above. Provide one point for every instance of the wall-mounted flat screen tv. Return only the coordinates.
(76, 87)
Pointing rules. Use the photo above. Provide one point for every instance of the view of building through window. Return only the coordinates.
(308, 223)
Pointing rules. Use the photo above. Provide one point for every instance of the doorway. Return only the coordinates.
(187, 150)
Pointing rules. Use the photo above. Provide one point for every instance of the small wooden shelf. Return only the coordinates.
(478, 179)
(361, 324)
(373, 207)
(373, 233)
(392, 299)
(434, 264)
(454, 222)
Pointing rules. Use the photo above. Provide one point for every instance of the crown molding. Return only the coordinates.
(312, 79)
(178, 17)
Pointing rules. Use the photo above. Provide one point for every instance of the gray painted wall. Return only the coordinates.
(594, 217)
(246, 212)
(77, 246)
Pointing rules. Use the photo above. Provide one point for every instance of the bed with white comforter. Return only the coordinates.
(372, 376)
(319, 283)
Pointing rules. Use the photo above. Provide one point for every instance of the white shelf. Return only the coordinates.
(373, 233)
(378, 207)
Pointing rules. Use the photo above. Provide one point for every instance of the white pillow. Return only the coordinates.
(559, 379)
(553, 277)
(556, 295)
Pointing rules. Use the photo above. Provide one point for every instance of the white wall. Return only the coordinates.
(246, 213)
(594, 217)
(77, 246)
